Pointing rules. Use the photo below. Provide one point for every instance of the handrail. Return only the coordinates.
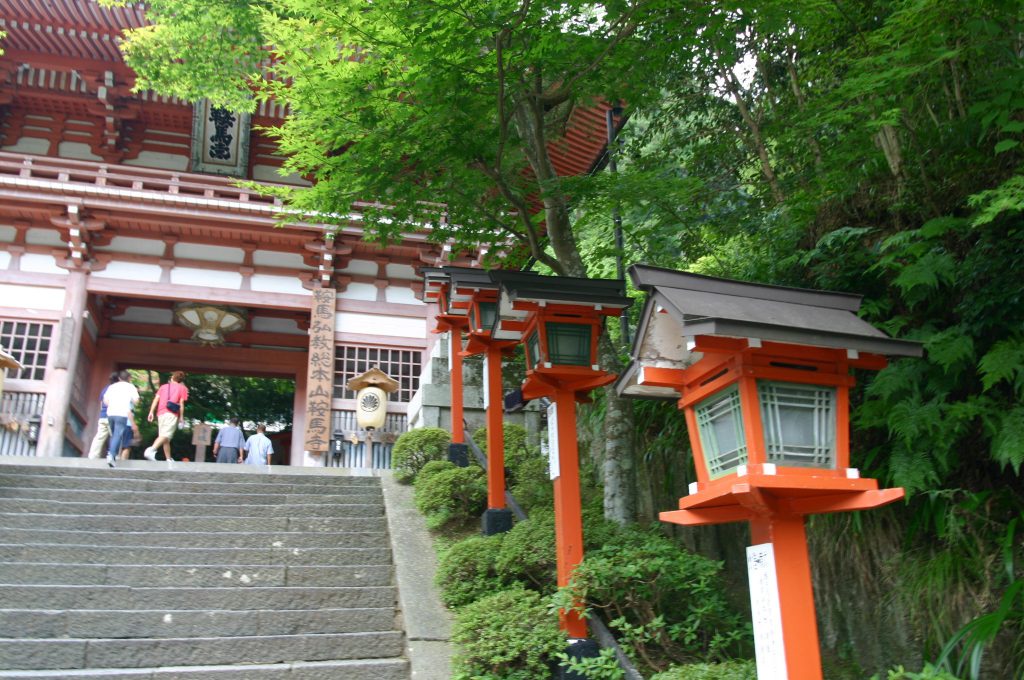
(601, 632)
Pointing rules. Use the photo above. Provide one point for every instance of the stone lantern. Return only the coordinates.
(762, 374)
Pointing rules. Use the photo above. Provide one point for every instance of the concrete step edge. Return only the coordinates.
(294, 671)
(74, 653)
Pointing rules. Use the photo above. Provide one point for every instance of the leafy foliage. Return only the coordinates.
(453, 497)
(665, 602)
(526, 469)
(416, 448)
(468, 571)
(509, 635)
(727, 670)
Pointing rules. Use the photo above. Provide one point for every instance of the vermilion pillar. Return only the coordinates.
(796, 596)
(495, 431)
(568, 516)
(455, 374)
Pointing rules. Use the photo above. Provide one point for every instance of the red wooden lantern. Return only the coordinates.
(762, 374)
(437, 289)
(473, 293)
(560, 319)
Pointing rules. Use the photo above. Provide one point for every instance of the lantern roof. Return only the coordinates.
(8, 361)
(532, 287)
(434, 280)
(608, 295)
(681, 306)
(373, 378)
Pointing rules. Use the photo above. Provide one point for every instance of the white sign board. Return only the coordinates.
(766, 612)
(487, 383)
(553, 467)
(202, 434)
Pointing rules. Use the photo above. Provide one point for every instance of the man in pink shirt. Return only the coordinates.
(169, 408)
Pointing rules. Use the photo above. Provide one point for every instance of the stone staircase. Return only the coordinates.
(146, 573)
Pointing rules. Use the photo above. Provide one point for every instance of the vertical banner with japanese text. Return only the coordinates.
(320, 371)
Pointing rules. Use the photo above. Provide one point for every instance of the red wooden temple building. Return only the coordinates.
(120, 223)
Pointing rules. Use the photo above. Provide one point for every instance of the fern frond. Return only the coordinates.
(1008, 444)
(1004, 362)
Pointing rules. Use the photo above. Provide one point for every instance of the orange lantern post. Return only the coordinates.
(560, 319)
(473, 291)
(762, 374)
(454, 321)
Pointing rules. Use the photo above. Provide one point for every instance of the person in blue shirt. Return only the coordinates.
(229, 443)
(259, 448)
(96, 449)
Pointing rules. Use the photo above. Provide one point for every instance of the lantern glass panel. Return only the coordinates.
(568, 343)
(488, 313)
(799, 424)
(720, 425)
(533, 349)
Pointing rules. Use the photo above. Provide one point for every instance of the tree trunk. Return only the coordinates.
(618, 472)
(755, 135)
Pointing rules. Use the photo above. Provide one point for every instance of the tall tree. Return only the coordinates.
(423, 114)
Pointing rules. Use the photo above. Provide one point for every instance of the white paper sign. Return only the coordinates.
(766, 612)
(553, 467)
(487, 383)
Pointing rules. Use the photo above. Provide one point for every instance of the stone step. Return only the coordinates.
(124, 597)
(187, 497)
(172, 482)
(279, 474)
(295, 510)
(77, 653)
(182, 522)
(87, 554)
(193, 576)
(199, 539)
(357, 669)
(168, 623)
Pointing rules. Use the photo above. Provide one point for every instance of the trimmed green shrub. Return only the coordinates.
(666, 603)
(739, 669)
(452, 497)
(467, 570)
(432, 468)
(527, 469)
(528, 552)
(416, 448)
(531, 485)
(509, 635)
(515, 444)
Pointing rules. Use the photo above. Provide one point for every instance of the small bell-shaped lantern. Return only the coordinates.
(372, 389)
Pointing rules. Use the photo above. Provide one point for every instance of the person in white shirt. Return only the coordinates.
(120, 399)
(259, 448)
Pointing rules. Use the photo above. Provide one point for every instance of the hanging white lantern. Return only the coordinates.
(372, 389)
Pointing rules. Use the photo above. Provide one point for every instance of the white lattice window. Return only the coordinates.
(29, 343)
(403, 365)
(799, 424)
(720, 423)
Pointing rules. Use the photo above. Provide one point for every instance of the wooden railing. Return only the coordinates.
(368, 450)
(111, 178)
